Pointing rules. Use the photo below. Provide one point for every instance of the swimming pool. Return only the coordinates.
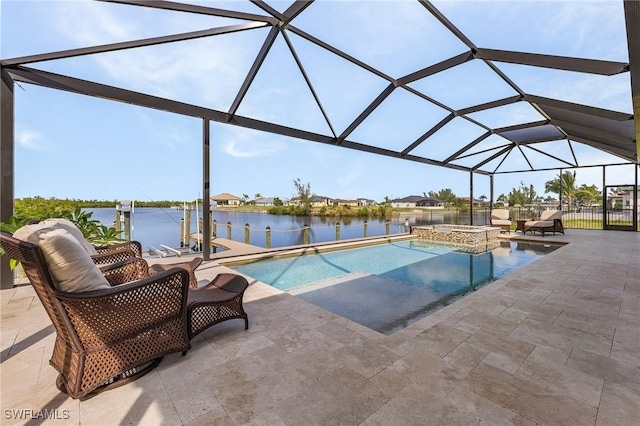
(388, 286)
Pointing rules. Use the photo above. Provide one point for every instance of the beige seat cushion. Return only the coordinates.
(499, 214)
(550, 215)
(538, 224)
(498, 222)
(69, 264)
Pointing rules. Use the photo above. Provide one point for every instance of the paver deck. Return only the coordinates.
(555, 343)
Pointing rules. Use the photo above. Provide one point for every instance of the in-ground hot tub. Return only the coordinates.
(478, 238)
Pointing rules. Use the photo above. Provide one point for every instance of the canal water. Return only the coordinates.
(155, 226)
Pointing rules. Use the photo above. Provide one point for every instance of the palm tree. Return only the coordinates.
(588, 194)
(564, 185)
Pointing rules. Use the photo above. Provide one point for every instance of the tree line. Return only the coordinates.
(42, 208)
(564, 184)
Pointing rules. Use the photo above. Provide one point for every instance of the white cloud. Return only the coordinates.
(248, 149)
(30, 139)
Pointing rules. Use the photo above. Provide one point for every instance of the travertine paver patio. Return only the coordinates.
(557, 342)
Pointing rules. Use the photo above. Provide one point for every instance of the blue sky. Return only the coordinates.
(74, 146)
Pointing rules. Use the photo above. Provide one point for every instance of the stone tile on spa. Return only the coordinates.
(528, 398)
(619, 406)
(342, 397)
(609, 369)
(247, 386)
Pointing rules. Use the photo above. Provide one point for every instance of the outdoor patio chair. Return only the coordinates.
(550, 221)
(500, 219)
(111, 327)
(117, 252)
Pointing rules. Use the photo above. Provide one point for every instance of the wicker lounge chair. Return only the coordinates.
(550, 221)
(500, 219)
(111, 332)
(108, 254)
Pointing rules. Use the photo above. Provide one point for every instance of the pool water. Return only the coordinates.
(388, 286)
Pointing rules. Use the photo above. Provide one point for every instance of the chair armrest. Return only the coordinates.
(114, 256)
(135, 246)
(125, 271)
(108, 316)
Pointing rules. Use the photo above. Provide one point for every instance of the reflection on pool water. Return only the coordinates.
(389, 286)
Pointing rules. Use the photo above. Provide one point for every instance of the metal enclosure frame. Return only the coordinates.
(612, 132)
